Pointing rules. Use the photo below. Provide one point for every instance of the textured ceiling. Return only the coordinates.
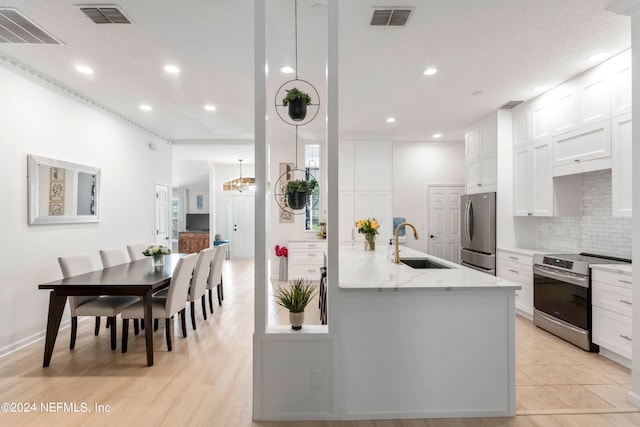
(502, 48)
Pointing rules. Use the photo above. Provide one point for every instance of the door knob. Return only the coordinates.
(432, 236)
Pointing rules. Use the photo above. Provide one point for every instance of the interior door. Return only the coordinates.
(162, 215)
(444, 221)
(239, 221)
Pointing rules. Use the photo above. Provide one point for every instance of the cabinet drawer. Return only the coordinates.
(306, 257)
(306, 246)
(612, 331)
(308, 272)
(525, 260)
(614, 298)
(517, 272)
(612, 278)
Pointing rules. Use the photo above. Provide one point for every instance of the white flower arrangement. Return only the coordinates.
(156, 250)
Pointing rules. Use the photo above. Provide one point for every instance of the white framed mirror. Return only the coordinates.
(62, 192)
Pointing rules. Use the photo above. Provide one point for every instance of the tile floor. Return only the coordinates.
(553, 376)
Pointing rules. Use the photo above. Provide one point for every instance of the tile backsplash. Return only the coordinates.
(596, 230)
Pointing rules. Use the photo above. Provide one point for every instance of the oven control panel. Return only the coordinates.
(557, 262)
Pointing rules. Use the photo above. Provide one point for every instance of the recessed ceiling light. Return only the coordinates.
(430, 71)
(286, 69)
(210, 107)
(437, 135)
(84, 69)
(172, 69)
(540, 89)
(145, 107)
(391, 120)
(600, 56)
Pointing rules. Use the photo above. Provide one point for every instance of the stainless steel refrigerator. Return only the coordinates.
(478, 226)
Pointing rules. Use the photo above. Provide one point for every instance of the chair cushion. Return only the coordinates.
(136, 311)
(105, 306)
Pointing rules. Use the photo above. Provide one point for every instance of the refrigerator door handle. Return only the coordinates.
(467, 231)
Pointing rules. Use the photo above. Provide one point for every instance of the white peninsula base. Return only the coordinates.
(422, 349)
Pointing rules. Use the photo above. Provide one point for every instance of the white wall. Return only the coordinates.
(37, 120)
(416, 164)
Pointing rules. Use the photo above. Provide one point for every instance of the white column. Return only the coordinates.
(632, 8)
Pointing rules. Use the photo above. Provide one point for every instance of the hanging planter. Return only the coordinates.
(297, 102)
(298, 192)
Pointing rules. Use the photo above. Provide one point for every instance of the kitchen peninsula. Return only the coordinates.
(434, 342)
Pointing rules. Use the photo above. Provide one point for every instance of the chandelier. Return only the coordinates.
(241, 184)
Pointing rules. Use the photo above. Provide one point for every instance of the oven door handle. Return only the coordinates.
(582, 281)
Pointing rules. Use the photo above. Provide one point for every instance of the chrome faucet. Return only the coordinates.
(415, 235)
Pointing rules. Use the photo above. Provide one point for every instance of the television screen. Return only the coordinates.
(197, 222)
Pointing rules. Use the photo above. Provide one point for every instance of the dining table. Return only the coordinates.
(140, 278)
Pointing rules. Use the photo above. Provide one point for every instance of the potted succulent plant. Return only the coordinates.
(297, 102)
(298, 192)
(295, 299)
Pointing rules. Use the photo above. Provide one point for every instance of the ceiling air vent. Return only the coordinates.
(16, 28)
(390, 17)
(511, 104)
(105, 15)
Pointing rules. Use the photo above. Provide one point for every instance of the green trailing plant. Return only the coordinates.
(295, 297)
(301, 186)
(293, 94)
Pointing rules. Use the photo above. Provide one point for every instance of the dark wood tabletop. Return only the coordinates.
(139, 278)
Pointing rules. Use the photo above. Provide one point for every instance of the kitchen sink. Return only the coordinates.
(422, 263)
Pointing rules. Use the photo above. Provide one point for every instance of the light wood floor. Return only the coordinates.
(205, 381)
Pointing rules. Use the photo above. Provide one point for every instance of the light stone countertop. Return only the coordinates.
(530, 251)
(616, 268)
(370, 270)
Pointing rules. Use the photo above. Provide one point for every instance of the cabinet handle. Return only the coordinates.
(626, 302)
(626, 337)
(529, 214)
(514, 257)
(312, 254)
(576, 160)
(625, 281)
(514, 271)
(479, 185)
(311, 246)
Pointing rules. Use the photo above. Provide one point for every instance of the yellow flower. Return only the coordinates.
(374, 224)
(360, 223)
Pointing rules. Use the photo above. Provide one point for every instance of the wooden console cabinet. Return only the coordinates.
(192, 243)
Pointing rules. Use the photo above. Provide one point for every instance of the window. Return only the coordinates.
(312, 171)
(174, 219)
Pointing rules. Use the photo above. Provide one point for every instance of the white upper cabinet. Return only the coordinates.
(345, 166)
(593, 96)
(481, 144)
(564, 108)
(620, 83)
(521, 126)
(583, 150)
(621, 169)
(532, 180)
(540, 118)
(366, 185)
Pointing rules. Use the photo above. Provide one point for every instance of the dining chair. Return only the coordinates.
(135, 251)
(215, 275)
(116, 256)
(108, 306)
(198, 288)
(165, 307)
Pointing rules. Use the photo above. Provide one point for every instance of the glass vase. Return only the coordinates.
(157, 260)
(370, 242)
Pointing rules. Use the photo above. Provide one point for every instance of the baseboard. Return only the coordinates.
(615, 357)
(32, 339)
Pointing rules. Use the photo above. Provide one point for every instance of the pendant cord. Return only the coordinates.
(296, 147)
(295, 9)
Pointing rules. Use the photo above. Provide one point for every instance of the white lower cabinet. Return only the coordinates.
(519, 268)
(305, 259)
(612, 311)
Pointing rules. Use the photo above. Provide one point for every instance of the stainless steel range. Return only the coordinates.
(562, 295)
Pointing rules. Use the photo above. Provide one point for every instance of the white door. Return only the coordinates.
(162, 215)
(239, 218)
(444, 221)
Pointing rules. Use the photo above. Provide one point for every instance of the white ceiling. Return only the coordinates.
(503, 48)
